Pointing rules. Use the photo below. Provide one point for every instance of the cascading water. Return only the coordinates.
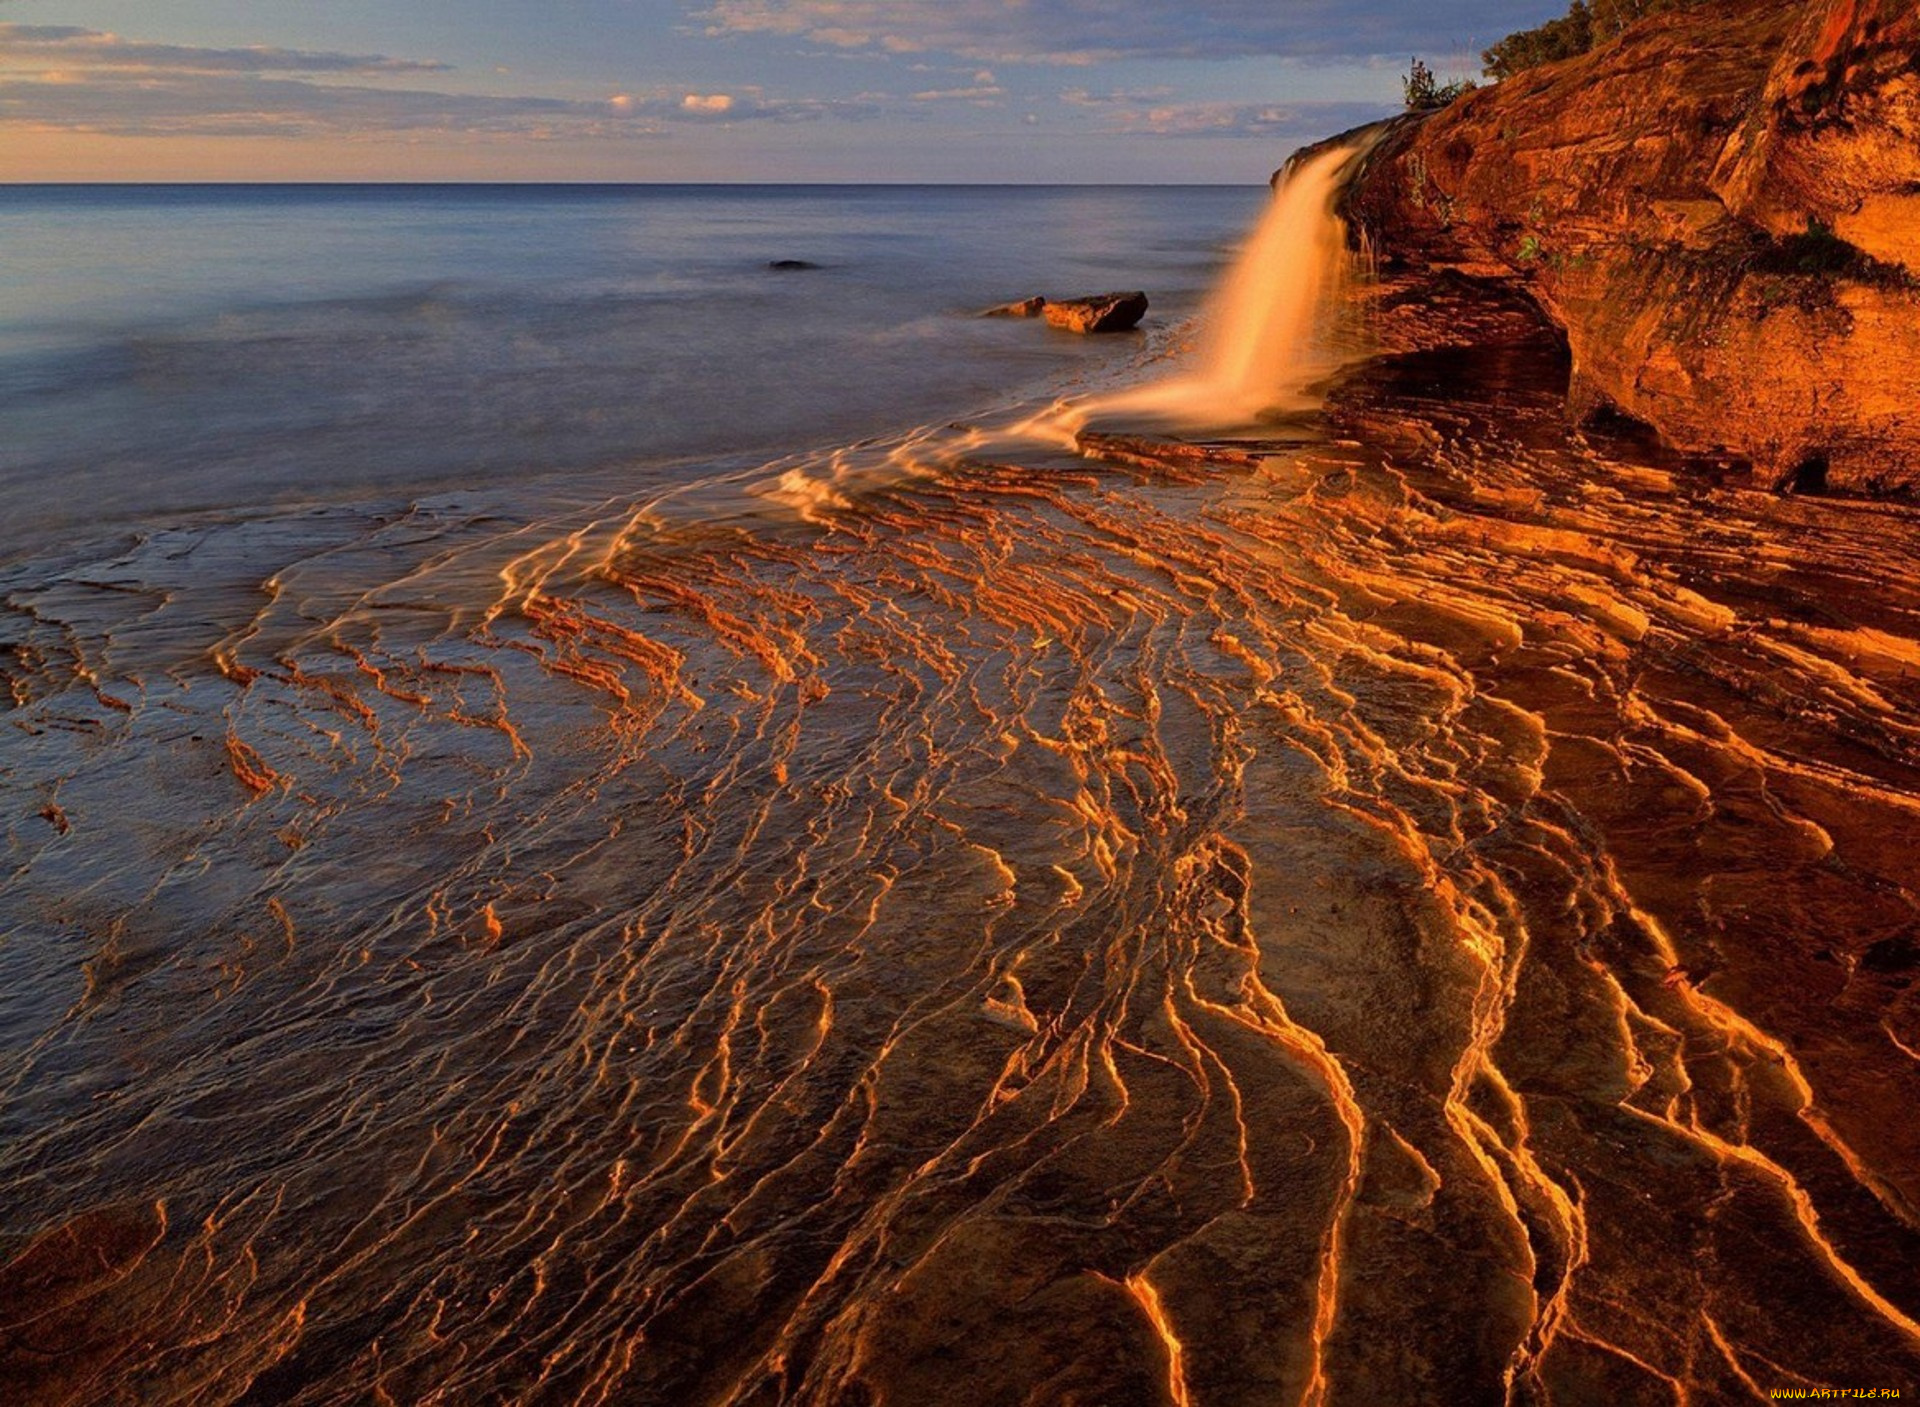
(1270, 335)
(1276, 327)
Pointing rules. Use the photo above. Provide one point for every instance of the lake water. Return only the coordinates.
(172, 349)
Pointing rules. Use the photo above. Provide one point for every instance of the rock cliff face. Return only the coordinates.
(1722, 211)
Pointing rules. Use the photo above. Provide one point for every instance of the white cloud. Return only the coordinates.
(1133, 97)
(987, 94)
(244, 105)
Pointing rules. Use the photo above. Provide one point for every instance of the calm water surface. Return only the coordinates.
(170, 349)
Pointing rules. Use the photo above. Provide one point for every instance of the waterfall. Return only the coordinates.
(1273, 330)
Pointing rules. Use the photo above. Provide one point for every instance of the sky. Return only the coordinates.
(1047, 91)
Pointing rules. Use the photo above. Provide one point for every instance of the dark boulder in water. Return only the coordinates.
(1108, 312)
(787, 266)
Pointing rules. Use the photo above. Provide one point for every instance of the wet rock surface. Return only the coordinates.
(1422, 916)
(1105, 312)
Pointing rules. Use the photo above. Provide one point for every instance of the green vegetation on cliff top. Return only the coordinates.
(1586, 25)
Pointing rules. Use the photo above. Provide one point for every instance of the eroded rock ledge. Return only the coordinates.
(1722, 212)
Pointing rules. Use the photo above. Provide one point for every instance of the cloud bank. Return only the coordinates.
(1079, 32)
(68, 46)
(1157, 113)
(63, 78)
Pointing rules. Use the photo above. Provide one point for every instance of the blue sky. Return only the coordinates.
(740, 90)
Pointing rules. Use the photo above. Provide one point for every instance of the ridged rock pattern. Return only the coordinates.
(1424, 918)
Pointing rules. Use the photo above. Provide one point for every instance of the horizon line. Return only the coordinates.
(604, 185)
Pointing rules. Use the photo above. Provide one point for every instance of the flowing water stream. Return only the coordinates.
(1418, 907)
(1280, 324)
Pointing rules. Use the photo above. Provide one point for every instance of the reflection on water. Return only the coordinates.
(1424, 916)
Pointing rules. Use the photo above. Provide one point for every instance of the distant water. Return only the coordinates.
(175, 349)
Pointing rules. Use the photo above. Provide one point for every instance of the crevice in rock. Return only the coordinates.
(1808, 477)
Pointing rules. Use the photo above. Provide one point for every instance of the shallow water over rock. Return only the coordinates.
(1419, 909)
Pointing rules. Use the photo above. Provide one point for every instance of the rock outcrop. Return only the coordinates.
(1105, 312)
(1722, 211)
(1836, 136)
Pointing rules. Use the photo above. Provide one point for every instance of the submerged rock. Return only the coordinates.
(1719, 209)
(1106, 312)
(791, 265)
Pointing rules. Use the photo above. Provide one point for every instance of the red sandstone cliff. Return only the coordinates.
(1721, 209)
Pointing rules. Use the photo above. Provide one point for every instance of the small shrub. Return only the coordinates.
(1818, 251)
(1425, 92)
